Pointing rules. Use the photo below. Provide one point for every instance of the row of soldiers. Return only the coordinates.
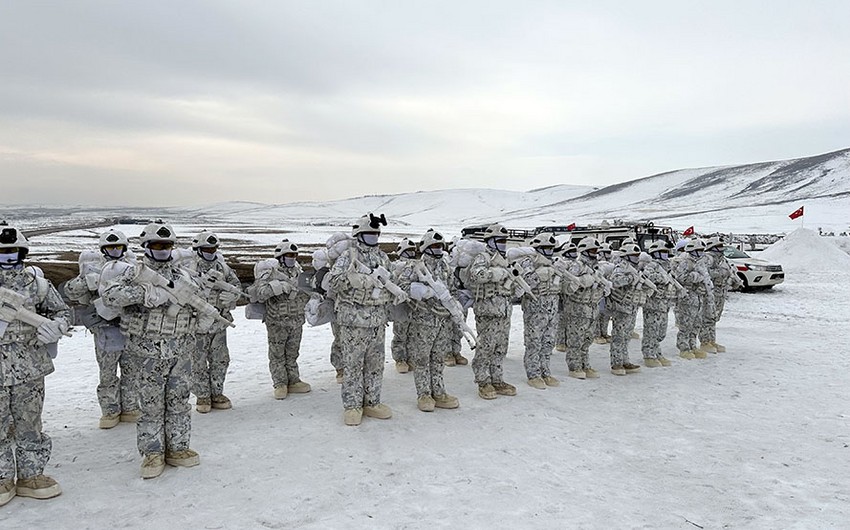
(161, 324)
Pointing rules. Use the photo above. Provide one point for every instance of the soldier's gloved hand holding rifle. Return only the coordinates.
(12, 308)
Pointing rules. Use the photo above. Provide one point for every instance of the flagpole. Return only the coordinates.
(803, 218)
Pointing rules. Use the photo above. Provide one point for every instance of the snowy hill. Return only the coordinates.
(744, 198)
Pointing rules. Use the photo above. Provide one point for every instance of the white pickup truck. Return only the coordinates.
(755, 273)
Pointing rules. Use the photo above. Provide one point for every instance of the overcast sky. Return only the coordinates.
(194, 102)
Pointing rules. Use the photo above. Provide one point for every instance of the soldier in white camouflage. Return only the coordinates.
(212, 357)
(565, 254)
(581, 308)
(722, 278)
(690, 271)
(540, 315)
(628, 293)
(116, 392)
(431, 326)
(361, 308)
(491, 284)
(400, 344)
(26, 352)
(277, 287)
(161, 333)
(657, 307)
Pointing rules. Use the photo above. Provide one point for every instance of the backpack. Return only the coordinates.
(462, 256)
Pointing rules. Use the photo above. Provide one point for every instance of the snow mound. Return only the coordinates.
(804, 250)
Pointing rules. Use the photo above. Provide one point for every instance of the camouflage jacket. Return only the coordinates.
(492, 290)
(359, 302)
(288, 306)
(22, 357)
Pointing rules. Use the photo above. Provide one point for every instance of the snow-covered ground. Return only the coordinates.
(757, 437)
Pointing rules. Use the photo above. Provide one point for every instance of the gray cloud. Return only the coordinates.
(279, 101)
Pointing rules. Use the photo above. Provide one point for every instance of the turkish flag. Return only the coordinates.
(571, 227)
(797, 213)
(688, 232)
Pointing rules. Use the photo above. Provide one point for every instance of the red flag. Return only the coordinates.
(571, 227)
(688, 231)
(797, 213)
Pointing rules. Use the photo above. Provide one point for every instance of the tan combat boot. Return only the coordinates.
(378, 411)
(719, 348)
(203, 405)
(184, 458)
(551, 381)
(686, 354)
(590, 373)
(461, 360)
(280, 392)
(664, 360)
(37, 487)
(426, 403)
(445, 401)
(339, 376)
(618, 370)
(537, 382)
(631, 368)
(504, 389)
(221, 402)
(299, 387)
(577, 374)
(152, 465)
(487, 391)
(7, 490)
(352, 417)
(108, 421)
(450, 360)
(649, 362)
(699, 354)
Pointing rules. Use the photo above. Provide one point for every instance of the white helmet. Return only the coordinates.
(630, 250)
(714, 242)
(285, 247)
(11, 237)
(543, 239)
(157, 231)
(567, 248)
(658, 246)
(113, 238)
(495, 230)
(694, 245)
(205, 239)
(587, 244)
(432, 238)
(368, 224)
(404, 245)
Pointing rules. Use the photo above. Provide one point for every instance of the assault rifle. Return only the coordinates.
(215, 280)
(181, 292)
(441, 291)
(381, 276)
(12, 308)
(516, 277)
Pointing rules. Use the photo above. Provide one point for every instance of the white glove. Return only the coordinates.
(155, 296)
(499, 274)
(544, 273)
(51, 331)
(279, 287)
(92, 281)
(420, 291)
(227, 298)
(587, 280)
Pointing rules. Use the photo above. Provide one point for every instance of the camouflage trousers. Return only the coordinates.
(336, 349)
(115, 393)
(400, 345)
(363, 365)
(493, 336)
(540, 324)
(23, 447)
(622, 325)
(689, 319)
(654, 332)
(209, 364)
(166, 420)
(428, 346)
(708, 331)
(581, 322)
(284, 348)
